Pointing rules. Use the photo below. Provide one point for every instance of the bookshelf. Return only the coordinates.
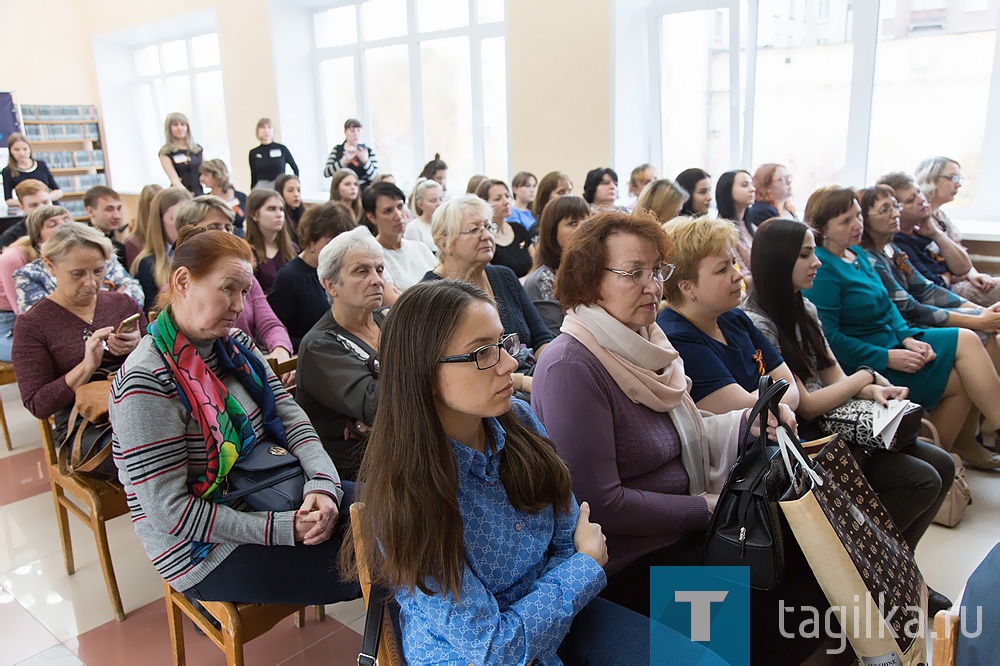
(70, 141)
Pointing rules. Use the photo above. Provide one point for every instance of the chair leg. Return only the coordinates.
(175, 625)
(62, 520)
(300, 617)
(320, 613)
(107, 566)
(233, 646)
(6, 432)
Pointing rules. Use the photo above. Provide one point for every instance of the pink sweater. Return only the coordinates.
(11, 259)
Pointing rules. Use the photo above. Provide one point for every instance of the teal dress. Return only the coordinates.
(862, 324)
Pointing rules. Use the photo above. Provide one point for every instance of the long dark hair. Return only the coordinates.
(689, 179)
(724, 197)
(409, 478)
(776, 248)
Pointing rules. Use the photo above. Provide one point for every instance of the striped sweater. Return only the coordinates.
(159, 451)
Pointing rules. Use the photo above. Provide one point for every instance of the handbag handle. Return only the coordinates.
(767, 400)
(789, 443)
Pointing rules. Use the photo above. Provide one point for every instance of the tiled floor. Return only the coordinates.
(49, 618)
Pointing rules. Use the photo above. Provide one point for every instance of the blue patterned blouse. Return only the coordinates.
(523, 582)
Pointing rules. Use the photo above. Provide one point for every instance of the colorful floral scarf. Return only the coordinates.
(224, 424)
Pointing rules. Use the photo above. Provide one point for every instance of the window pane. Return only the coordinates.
(175, 57)
(338, 91)
(442, 14)
(147, 61)
(494, 58)
(150, 125)
(695, 91)
(336, 27)
(177, 97)
(205, 50)
(211, 129)
(793, 106)
(926, 81)
(447, 81)
(383, 18)
(489, 11)
(391, 131)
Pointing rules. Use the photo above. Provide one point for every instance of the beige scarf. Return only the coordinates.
(650, 372)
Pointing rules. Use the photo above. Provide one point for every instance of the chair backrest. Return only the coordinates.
(390, 652)
(281, 367)
(47, 429)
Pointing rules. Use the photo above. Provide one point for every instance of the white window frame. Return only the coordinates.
(474, 31)
(865, 37)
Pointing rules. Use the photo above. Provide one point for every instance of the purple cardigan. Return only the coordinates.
(259, 322)
(624, 457)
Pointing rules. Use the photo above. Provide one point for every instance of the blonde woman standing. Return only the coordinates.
(180, 156)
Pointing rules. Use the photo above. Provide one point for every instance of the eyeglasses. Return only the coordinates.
(642, 276)
(218, 226)
(477, 231)
(956, 179)
(887, 209)
(488, 355)
(784, 179)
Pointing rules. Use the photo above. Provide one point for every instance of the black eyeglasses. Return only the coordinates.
(642, 276)
(488, 355)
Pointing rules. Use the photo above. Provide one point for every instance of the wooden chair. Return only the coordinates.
(6, 377)
(946, 633)
(240, 623)
(101, 501)
(281, 367)
(390, 653)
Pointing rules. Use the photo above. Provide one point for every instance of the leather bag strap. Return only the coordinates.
(373, 627)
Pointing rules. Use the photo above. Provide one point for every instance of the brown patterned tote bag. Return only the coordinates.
(866, 570)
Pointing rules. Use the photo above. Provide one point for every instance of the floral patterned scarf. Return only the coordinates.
(224, 424)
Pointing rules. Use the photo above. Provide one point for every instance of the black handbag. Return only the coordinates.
(746, 529)
(268, 478)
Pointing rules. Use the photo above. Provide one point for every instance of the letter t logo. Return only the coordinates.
(701, 607)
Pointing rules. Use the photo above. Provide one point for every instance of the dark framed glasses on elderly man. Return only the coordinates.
(642, 276)
(487, 356)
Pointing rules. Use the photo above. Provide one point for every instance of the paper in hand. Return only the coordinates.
(886, 419)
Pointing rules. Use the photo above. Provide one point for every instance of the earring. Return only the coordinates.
(694, 299)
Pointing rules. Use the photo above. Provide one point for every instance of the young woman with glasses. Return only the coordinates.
(773, 197)
(507, 567)
(466, 240)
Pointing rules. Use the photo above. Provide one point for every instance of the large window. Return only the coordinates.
(423, 76)
(839, 91)
(180, 75)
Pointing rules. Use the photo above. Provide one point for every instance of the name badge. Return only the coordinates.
(275, 152)
(181, 158)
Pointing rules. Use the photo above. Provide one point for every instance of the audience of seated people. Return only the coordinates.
(151, 266)
(70, 336)
(21, 166)
(427, 195)
(214, 176)
(560, 220)
(42, 223)
(724, 354)
(406, 261)
(524, 186)
(268, 236)
(698, 184)
(137, 231)
(465, 234)
(920, 301)
(298, 297)
(914, 480)
(513, 244)
(337, 382)
(734, 194)
(639, 410)
(193, 388)
(944, 368)
(257, 319)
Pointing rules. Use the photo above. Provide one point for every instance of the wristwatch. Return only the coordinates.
(868, 368)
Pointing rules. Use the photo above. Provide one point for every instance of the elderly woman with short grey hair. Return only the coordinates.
(72, 335)
(337, 380)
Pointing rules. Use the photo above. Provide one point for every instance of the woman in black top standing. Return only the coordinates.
(180, 155)
(512, 240)
(269, 159)
(22, 166)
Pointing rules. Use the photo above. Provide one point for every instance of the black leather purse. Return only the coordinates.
(747, 526)
(268, 478)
